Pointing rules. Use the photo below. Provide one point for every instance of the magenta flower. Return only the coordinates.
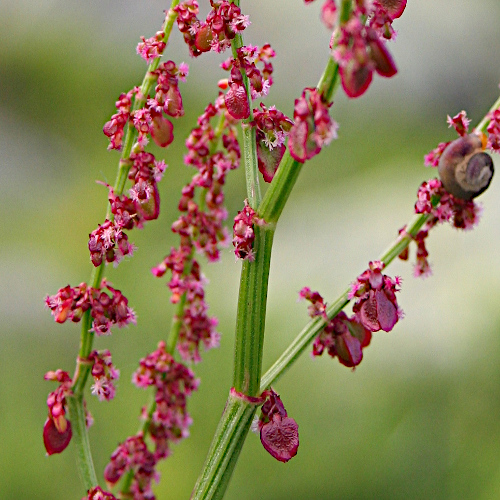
(376, 307)
(342, 337)
(104, 374)
(313, 127)
(97, 493)
(106, 310)
(360, 48)
(494, 130)
(279, 434)
(57, 429)
(272, 128)
(222, 24)
(243, 232)
(152, 48)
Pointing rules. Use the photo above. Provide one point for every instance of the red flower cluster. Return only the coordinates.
(222, 24)
(376, 307)
(98, 494)
(169, 423)
(460, 123)
(313, 127)
(109, 241)
(260, 80)
(272, 128)
(150, 119)
(200, 226)
(493, 130)
(152, 48)
(359, 47)
(433, 199)
(279, 434)
(104, 374)
(57, 429)
(243, 233)
(106, 311)
(342, 337)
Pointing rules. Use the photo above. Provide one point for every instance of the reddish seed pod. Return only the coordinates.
(464, 168)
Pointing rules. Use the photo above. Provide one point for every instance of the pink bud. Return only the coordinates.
(162, 131)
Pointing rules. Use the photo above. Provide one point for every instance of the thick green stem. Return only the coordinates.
(225, 449)
(250, 321)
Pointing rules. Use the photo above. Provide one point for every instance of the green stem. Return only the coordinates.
(314, 327)
(82, 371)
(225, 449)
(250, 321)
(81, 440)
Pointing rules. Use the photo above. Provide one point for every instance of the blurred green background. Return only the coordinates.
(419, 418)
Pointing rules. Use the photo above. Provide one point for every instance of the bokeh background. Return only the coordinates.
(419, 418)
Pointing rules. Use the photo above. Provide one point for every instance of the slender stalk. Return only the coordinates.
(314, 327)
(82, 371)
(81, 437)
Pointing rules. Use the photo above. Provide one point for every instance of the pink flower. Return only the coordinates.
(376, 307)
(104, 374)
(342, 337)
(243, 232)
(151, 48)
(313, 127)
(57, 429)
(360, 49)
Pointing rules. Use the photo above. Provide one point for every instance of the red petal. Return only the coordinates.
(368, 313)
(280, 438)
(384, 63)
(269, 159)
(394, 7)
(297, 141)
(162, 131)
(348, 349)
(355, 82)
(150, 209)
(55, 441)
(237, 102)
(204, 38)
(387, 312)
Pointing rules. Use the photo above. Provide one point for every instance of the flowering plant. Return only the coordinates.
(274, 149)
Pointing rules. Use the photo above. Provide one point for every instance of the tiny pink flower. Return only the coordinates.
(459, 122)
(104, 374)
(243, 233)
(151, 48)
